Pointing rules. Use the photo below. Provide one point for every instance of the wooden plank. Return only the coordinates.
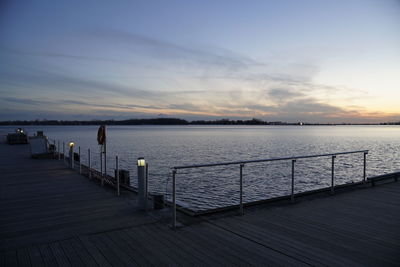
(140, 253)
(2, 259)
(253, 252)
(111, 257)
(84, 255)
(11, 258)
(172, 238)
(177, 254)
(281, 243)
(35, 257)
(70, 253)
(59, 254)
(218, 248)
(117, 249)
(158, 257)
(23, 257)
(47, 255)
(94, 252)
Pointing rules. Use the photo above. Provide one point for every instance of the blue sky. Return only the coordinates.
(316, 61)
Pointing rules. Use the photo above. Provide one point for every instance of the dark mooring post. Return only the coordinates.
(241, 210)
(333, 175)
(292, 194)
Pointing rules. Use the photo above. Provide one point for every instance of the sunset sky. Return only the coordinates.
(313, 61)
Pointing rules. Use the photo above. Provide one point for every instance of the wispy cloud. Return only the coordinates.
(175, 80)
(171, 52)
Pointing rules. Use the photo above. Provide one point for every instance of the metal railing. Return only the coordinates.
(60, 151)
(242, 164)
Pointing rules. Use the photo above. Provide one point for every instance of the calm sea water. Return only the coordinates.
(198, 189)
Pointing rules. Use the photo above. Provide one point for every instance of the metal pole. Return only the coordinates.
(58, 148)
(241, 189)
(101, 165)
(54, 148)
(173, 199)
(64, 151)
(105, 151)
(71, 157)
(117, 174)
(292, 195)
(89, 165)
(333, 175)
(80, 165)
(147, 183)
(365, 167)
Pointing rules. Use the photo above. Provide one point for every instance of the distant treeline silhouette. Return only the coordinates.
(173, 121)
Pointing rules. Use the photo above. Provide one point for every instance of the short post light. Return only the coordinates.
(142, 183)
(71, 154)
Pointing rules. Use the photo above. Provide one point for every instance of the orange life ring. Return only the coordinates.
(101, 135)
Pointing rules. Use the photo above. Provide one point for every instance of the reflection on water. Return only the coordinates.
(198, 189)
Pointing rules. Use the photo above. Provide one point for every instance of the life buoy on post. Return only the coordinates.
(101, 135)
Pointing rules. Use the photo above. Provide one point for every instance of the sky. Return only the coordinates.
(290, 60)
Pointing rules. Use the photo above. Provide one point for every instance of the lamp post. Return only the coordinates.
(71, 154)
(142, 183)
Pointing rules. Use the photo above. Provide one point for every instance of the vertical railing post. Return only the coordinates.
(105, 155)
(64, 151)
(292, 194)
(80, 165)
(333, 175)
(89, 165)
(173, 199)
(241, 190)
(147, 183)
(101, 166)
(117, 174)
(58, 149)
(54, 148)
(365, 167)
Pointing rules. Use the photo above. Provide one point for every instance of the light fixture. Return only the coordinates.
(71, 144)
(141, 162)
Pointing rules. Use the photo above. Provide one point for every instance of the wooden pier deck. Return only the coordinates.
(52, 216)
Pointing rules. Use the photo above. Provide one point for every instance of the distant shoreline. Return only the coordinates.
(175, 121)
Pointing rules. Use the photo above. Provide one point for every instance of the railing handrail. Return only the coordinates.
(266, 160)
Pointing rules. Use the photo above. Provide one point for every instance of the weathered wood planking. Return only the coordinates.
(52, 216)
